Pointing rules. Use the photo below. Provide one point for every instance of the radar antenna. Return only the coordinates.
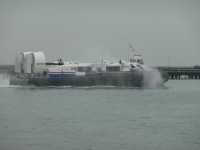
(130, 52)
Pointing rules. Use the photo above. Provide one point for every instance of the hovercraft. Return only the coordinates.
(31, 68)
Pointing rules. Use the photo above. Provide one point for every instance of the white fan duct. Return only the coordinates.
(104, 62)
(38, 62)
(123, 63)
(20, 62)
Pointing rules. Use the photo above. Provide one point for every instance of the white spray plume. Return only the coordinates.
(154, 79)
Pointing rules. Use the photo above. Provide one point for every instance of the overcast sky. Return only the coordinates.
(91, 30)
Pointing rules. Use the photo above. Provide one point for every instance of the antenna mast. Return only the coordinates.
(131, 49)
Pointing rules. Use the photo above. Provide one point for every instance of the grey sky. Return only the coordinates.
(84, 30)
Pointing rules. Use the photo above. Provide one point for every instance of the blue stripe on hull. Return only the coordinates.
(87, 74)
(61, 75)
(94, 74)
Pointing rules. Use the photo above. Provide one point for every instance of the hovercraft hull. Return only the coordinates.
(139, 79)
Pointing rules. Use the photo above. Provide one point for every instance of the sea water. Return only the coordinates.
(100, 118)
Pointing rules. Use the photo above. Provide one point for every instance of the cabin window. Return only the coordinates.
(113, 68)
(74, 68)
(81, 69)
(133, 60)
(99, 69)
(88, 69)
(84, 69)
(140, 61)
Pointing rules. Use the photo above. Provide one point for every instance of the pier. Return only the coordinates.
(7, 70)
(175, 72)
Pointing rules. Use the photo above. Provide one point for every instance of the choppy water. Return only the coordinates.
(97, 118)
